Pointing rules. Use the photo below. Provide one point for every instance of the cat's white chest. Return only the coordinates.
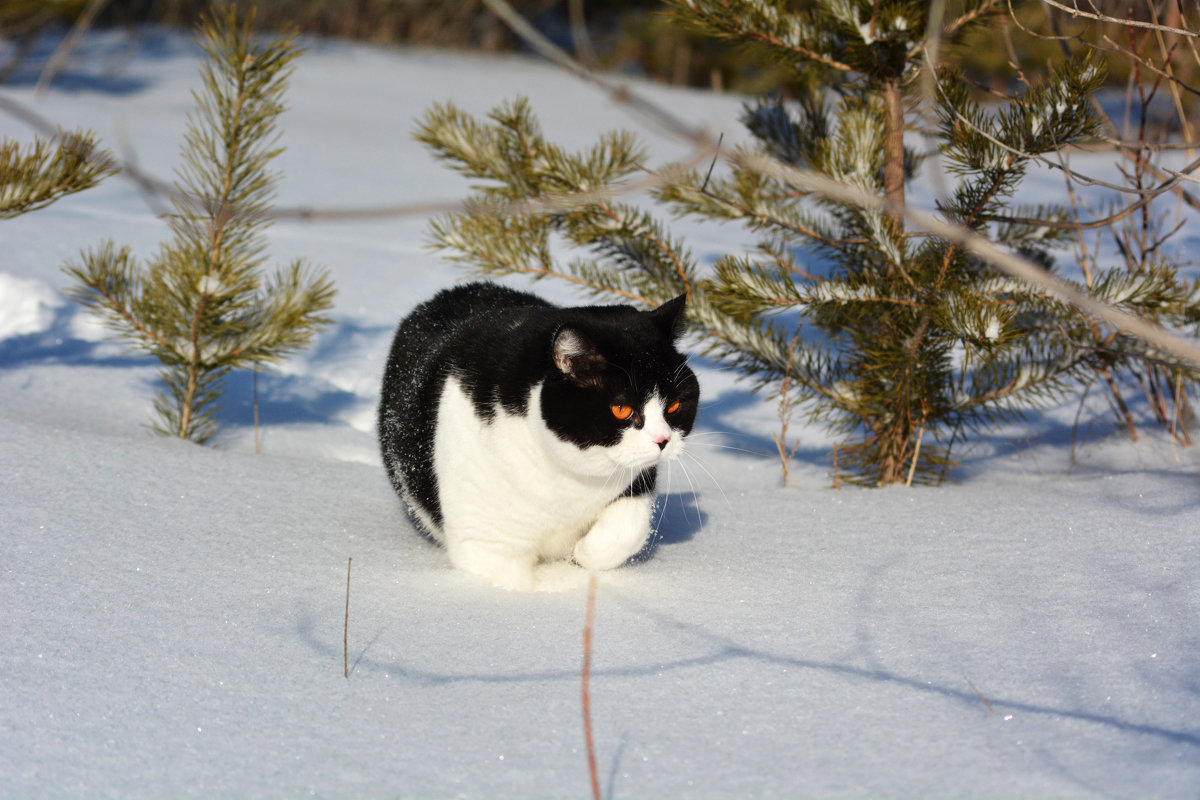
(509, 480)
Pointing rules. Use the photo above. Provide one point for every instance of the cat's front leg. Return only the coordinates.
(618, 533)
(503, 566)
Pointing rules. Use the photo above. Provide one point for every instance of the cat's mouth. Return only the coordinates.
(661, 453)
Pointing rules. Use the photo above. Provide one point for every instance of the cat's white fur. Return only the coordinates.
(515, 497)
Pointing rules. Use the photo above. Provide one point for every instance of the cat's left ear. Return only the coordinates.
(670, 317)
(576, 356)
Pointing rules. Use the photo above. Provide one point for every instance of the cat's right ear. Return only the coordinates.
(576, 357)
(670, 317)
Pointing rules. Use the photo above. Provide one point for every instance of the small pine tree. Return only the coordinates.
(906, 342)
(200, 304)
(47, 171)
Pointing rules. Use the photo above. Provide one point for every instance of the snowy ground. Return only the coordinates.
(172, 615)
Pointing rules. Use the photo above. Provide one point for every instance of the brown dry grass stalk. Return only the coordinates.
(912, 469)
(346, 625)
(585, 690)
(257, 448)
(979, 694)
(786, 454)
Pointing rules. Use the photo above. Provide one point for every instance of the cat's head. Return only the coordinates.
(618, 388)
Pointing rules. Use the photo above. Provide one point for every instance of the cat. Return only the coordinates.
(519, 433)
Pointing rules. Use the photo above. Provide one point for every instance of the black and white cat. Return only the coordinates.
(520, 433)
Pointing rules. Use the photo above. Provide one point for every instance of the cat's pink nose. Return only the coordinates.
(662, 442)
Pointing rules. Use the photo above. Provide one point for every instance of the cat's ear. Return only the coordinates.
(576, 356)
(670, 317)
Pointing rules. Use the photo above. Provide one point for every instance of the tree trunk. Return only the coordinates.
(893, 149)
(189, 400)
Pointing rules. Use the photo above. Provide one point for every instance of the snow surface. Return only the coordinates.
(172, 615)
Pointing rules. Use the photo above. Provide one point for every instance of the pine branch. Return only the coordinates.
(521, 167)
(48, 171)
(109, 286)
(766, 23)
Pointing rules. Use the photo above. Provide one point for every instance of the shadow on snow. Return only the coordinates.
(282, 399)
(724, 651)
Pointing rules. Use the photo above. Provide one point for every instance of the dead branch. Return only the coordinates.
(1103, 222)
(56, 62)
(1132, 23)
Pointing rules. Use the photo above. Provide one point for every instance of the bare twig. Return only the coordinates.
(931, 47)
(786, 454)
(82, 23)
(1140, 240)
(1175, 82)
(979, 694)
(254, 394)
(1178, 424)
(152, 188)
(1075, 425)
(998, 257)
(579, 34)
(711, 164)
(1147, 195)
(1132, 23)
(912, 469)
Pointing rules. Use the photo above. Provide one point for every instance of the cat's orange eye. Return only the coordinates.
(620, 411)
(671, 409)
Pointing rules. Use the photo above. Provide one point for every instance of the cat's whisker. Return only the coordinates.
(687, 474)
(630, 476)
(695, 494)
(662, 511)
(713, 433)
(716, 446)
(707, 472)
(628, 375)
(617, 479)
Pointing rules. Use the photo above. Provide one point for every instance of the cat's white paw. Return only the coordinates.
(558, 576)
(618, 533)
(501, 569)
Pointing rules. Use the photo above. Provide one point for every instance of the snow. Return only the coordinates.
(26, 305)
(172, 615)
(992, 331)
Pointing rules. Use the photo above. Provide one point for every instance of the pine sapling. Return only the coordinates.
(201, 305)
(903, 343)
